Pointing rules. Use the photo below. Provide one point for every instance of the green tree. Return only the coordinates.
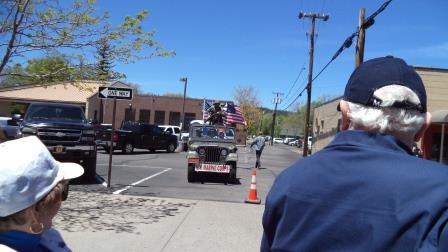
(246, 97)
(105, 58)
(46, 26)
(48, 69)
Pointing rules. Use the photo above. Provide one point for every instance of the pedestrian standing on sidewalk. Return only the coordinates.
(365, 191)
(32, 185)
(259, 143)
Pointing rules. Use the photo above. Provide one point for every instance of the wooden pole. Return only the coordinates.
(359, 58)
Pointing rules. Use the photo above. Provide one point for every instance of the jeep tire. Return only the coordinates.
(192, 175)
(232, 174)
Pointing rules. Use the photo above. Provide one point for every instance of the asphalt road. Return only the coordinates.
(162, 174)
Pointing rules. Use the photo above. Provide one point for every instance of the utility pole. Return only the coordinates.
(313, 17)
(276, 100)
(185, 80)
(359, 58)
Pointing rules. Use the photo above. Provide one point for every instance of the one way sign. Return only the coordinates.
(113, 92)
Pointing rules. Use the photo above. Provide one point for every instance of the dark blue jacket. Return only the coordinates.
(363, 192)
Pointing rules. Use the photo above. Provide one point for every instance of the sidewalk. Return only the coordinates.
(104, 222)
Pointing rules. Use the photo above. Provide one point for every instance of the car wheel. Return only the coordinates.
(170, 148)
(191, 176)
(128, 148)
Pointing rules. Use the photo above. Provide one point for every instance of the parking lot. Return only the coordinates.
(164, 174)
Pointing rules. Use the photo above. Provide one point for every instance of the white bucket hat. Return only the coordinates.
(28, 172)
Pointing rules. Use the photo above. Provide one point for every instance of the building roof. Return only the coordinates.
(68, 92)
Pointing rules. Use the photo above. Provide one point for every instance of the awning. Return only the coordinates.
(440, 116)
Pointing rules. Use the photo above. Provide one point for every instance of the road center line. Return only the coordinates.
(140, 181)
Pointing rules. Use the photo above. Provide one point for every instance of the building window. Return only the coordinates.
(128, 116)
(174, 118)
(159, 117)
(188, 118)
(322, 124)
(145, 115)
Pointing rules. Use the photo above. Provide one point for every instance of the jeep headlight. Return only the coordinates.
(224, 152)
(28, 131)
(201, 152)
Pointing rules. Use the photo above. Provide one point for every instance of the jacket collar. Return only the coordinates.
(369, 140)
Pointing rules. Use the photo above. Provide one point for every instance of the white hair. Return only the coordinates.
(401, 123)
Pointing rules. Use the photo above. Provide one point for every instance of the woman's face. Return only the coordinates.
(47, 214)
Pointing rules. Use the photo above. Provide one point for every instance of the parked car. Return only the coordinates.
(287, 140)
(212, 150)
(293, 142)
(278, 140)
(174, 130)
(65, 131)
(184, 138)
(9, 128)
(100, 130)
(138, 135)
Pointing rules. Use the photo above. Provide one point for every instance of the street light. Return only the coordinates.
(182, 120)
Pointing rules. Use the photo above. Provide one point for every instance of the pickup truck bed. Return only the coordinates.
(137, 135)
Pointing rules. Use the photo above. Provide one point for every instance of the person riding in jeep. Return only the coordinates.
(216, 114)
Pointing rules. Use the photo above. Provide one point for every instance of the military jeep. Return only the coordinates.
(211, 150)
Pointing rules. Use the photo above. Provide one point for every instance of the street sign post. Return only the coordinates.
(113, 93)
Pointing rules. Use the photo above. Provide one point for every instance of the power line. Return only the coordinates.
(295, 99)
(347, 43)
(297, 78)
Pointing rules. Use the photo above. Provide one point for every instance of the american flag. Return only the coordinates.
(233, 113)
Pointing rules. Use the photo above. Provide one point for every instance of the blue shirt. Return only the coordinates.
(363, 192)
(22, 241)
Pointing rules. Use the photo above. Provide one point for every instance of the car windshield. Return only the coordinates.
(44, 112)
(213, 133)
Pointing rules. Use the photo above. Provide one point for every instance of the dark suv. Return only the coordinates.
(138, 135)
(65, 131)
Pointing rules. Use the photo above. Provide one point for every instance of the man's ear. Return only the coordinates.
(424, 127)
(343, 106)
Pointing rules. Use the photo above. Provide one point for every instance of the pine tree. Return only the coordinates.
(105, 60)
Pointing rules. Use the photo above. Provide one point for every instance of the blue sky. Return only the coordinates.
(262, 43)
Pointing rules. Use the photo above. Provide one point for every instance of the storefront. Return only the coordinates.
(435, 139)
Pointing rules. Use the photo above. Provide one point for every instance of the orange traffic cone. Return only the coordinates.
(252, 197)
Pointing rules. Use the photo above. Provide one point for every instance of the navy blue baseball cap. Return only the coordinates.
(379, 72)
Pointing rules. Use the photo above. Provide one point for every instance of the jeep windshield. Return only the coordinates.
(212, 133)
(42, 112)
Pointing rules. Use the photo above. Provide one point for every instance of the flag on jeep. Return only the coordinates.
(233, 112)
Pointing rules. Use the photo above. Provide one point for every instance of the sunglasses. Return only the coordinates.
(64, 195)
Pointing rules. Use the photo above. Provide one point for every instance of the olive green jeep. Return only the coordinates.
(212, 150)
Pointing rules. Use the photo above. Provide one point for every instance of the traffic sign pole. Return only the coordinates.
(111, 147)
(113, 93)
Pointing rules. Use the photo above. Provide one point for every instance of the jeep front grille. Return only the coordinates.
(50, 135)
(213, 155)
